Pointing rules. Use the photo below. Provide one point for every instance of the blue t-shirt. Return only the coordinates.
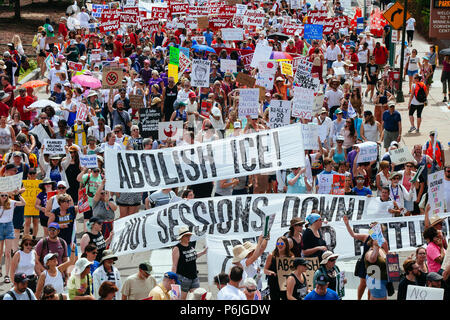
(330, 295)
(390, 121)
(208, 37)
(299, 186)
(363, 192)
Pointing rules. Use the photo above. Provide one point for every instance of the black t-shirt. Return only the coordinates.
(403, 288)
(99, 242)
(187, 265)
(311, 241)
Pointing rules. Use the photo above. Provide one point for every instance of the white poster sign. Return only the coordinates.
(232, 34)
(302, 103)
(310, 134)
(54, 146)
(262, 53)
(401, 155)
(228, 65)
(200, 73)
(89, 161)
(279, 113)
(11, 183)
(248, 103)
(172, 130)
(40, 132)
(368, 151)
(424, 293)
(436, 192)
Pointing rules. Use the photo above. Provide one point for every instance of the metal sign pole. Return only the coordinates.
(400, 97)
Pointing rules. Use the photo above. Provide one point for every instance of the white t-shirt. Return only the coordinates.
(20, 296)
(362, 55)
(230, 292)
(410, 24)
(54, 78)
(6, 215)
(332, 53)
(334, 97)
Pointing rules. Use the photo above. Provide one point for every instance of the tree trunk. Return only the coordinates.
(17, 9)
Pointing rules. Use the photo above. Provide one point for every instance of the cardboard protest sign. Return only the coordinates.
(172, 130)
(54, 146)
(246, 80)
(228, 65)
(248, 103)
(393, 267)
(174, 55)
(262, 53)
(149, 122)
(313, 266)
(202, 22)
(200, 73)
(338, 184)
(110, 21)
(232, 34)
(368, 151)
(313, 32)
(276, 148)
(436, 192)
(302, 103)
(310, 133)
(31, 191)
(285, 266)
(82, 112)
(401, 155)
(424, 293)
(89, 161)
(11, 183)
(286, 69)
(279, 113)
(136, 101)
(112, 77)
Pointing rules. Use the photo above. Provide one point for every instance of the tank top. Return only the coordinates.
(371, 132)
(159, 39)
(337, 157)
(187, 265)
(384, 181)
(381, 263)
(99, 242)
(300, 289)
(5, 138)
(26, 263)
(57, 281)
(169, 98)
(412, 65)
(296, 247)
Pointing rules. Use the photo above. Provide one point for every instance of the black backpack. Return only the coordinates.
(421, 95)
(11, 293)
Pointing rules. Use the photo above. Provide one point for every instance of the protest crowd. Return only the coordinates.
(142, 87)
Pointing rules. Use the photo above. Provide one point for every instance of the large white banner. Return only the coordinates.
(11, 183)
(255, 153)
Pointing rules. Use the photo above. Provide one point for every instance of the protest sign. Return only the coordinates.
(83, 201)
(325, 182)
(173, 72)
(279, 113)
(291, 29)
(285, 266)
(253, 153)
(40, 132)
(172, 130)
(265, 81)
(198, 11)
(232, 34)
(246, 80)
(228, 65)
(368, 151)
(436, 192)
(74, 66)
(393, 267)
(376, 234)
(112, 77)
(302, 103)
(312, 267)
(313, 32)
(160, 13)
(318, 103)
(340, 285)
(268, 222)
(89, 161)
(31, 191)
(248, 103)
(216, 22)
(149, 25)
(110, 21)
(254, 18)
(200, 73)
(418, 173)
(82, 112)
(424, 293)
(338, 184)
(149, 119)
(174, 55)
(136, 101)
(202, 22)
(129, 17)
(401, 155)
(307, 82)
(262, 53)
(11, 183)
(310, 133)
(54, 146)
(286, 68)
(178, 8)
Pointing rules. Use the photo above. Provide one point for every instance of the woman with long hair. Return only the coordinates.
(356, 100)
(412, 67)
(371, 128)
(382, 177)
(56, 167)
(49, 293)
(375, 257)
(349, 134)
(72, 171)
(47, 186)
(421, 260)
(7, 136)
(381, 101)
(7, 206)
(24, 261)
(270, 268)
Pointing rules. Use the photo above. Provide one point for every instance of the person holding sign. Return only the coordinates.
(47, 186)
(55, 169)
(297, 182)
(398, 192)
(411, 274)
(376, 278)
(296, 284)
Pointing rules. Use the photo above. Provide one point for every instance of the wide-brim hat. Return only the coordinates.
(250, 246)
(29, 238)
(327, 255)
(239, 253)
(55, 157)
(183, 231)
(297, 221)
(81, 265)
(394, 174)
(46, 181)
(199, 294)
(108, 254)
(91, 94)
(435, 219)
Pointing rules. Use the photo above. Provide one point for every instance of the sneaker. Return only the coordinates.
(411, 129)
(417, 130)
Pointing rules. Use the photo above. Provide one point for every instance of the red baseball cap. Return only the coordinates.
(192, 95)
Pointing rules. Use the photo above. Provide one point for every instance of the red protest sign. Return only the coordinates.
(142, 14)
(110, 21)
(149, 25)
(131, 10)
(330, 24)
(216, 23)
(198, 11)
(128, 17)
(292, 28)
(83, 202)
(75, 66)
(178, 8)
(318, 14)
(82, 112)
(160, 13)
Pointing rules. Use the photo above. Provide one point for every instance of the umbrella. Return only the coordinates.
(43, 103)
(278, 55)
(34, 84)
(445, 52)
(278, 36)
(202, 47)
(87, 81)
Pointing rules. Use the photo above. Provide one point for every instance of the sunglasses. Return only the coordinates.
(116, 131)
(61, 188)
(280, 243)
(28, 244)
(334, 259)
(251, 290)
(4, 196)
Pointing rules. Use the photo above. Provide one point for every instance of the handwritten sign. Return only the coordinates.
(312, 267)
(11, 183)
(89, 161)
(228, 65)
(136, 101)
(149, 120)
(248, 103)
(286, 68)
(393, 267)
(302, 103)
(31, 191)
(246, 80)
(279, 113)
(285, 266)
(200, 73)
(82, 112)
(325, 182)
(54, 146)
(401, 155)
(310, 132)
(368, 151)
(424, 293)
(436, 192)
(313, 32)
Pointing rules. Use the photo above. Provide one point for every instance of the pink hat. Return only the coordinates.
(61, 56)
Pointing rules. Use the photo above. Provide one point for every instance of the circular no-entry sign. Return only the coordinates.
(112, 78)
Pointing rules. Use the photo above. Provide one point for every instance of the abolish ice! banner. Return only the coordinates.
(265, 151)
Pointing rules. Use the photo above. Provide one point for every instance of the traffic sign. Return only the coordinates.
(394, 15)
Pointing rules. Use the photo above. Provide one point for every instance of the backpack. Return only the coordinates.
(420, 93)
(11, 293)
(45, 247)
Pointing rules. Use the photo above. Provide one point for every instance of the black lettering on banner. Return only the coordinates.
(172, 222)
(195, 209)
(212, 214)
(229, 212)
(129, 227)
(208, 157)
(327, 209)
(135, 170)
(398, 233)
(123, 173)
(284, 211)
(191, 163)
(122, 236)
(243, 150)
(305, 204)
(183, 210)
(358, 244)
(168, 180)
(164, 238)
(341, 210)
(144, 237)
(444, 227)
(385, 230)
(412, 234)
(235, 156)
(134, 234)
(361, 205)
(422, 229)
(154, 167)
(176, 160)
(242, 214)
(259, 212)
(276, 141)
(262, 148)
(332, 234)
(226, 244)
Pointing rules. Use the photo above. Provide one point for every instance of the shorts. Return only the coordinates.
(415, 107)
(376, 287)
(389, 136)
(188, 284)
(44, 221)
(31, 216)
(329, 64)
(412, 73)
(88, 214)
(6, 231)
(18, 218)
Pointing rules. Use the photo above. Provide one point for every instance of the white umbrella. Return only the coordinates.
(43, 103)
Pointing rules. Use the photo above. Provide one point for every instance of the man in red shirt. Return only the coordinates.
(62, 28)
(21, 103)
(118, 47)
(381, 54)
(298, 44)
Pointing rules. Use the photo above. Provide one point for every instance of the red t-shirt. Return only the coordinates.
(299, 45)
(4, 109)
(62, 30)
(118, 48)
(380, 55)
(20, 103)
(291, 50)
(9, 89)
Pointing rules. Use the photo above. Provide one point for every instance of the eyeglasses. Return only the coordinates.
(280, 243)
(334, 259)
(28, 244)
(61, 187)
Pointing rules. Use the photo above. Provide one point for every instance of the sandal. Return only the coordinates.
(7, 279)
